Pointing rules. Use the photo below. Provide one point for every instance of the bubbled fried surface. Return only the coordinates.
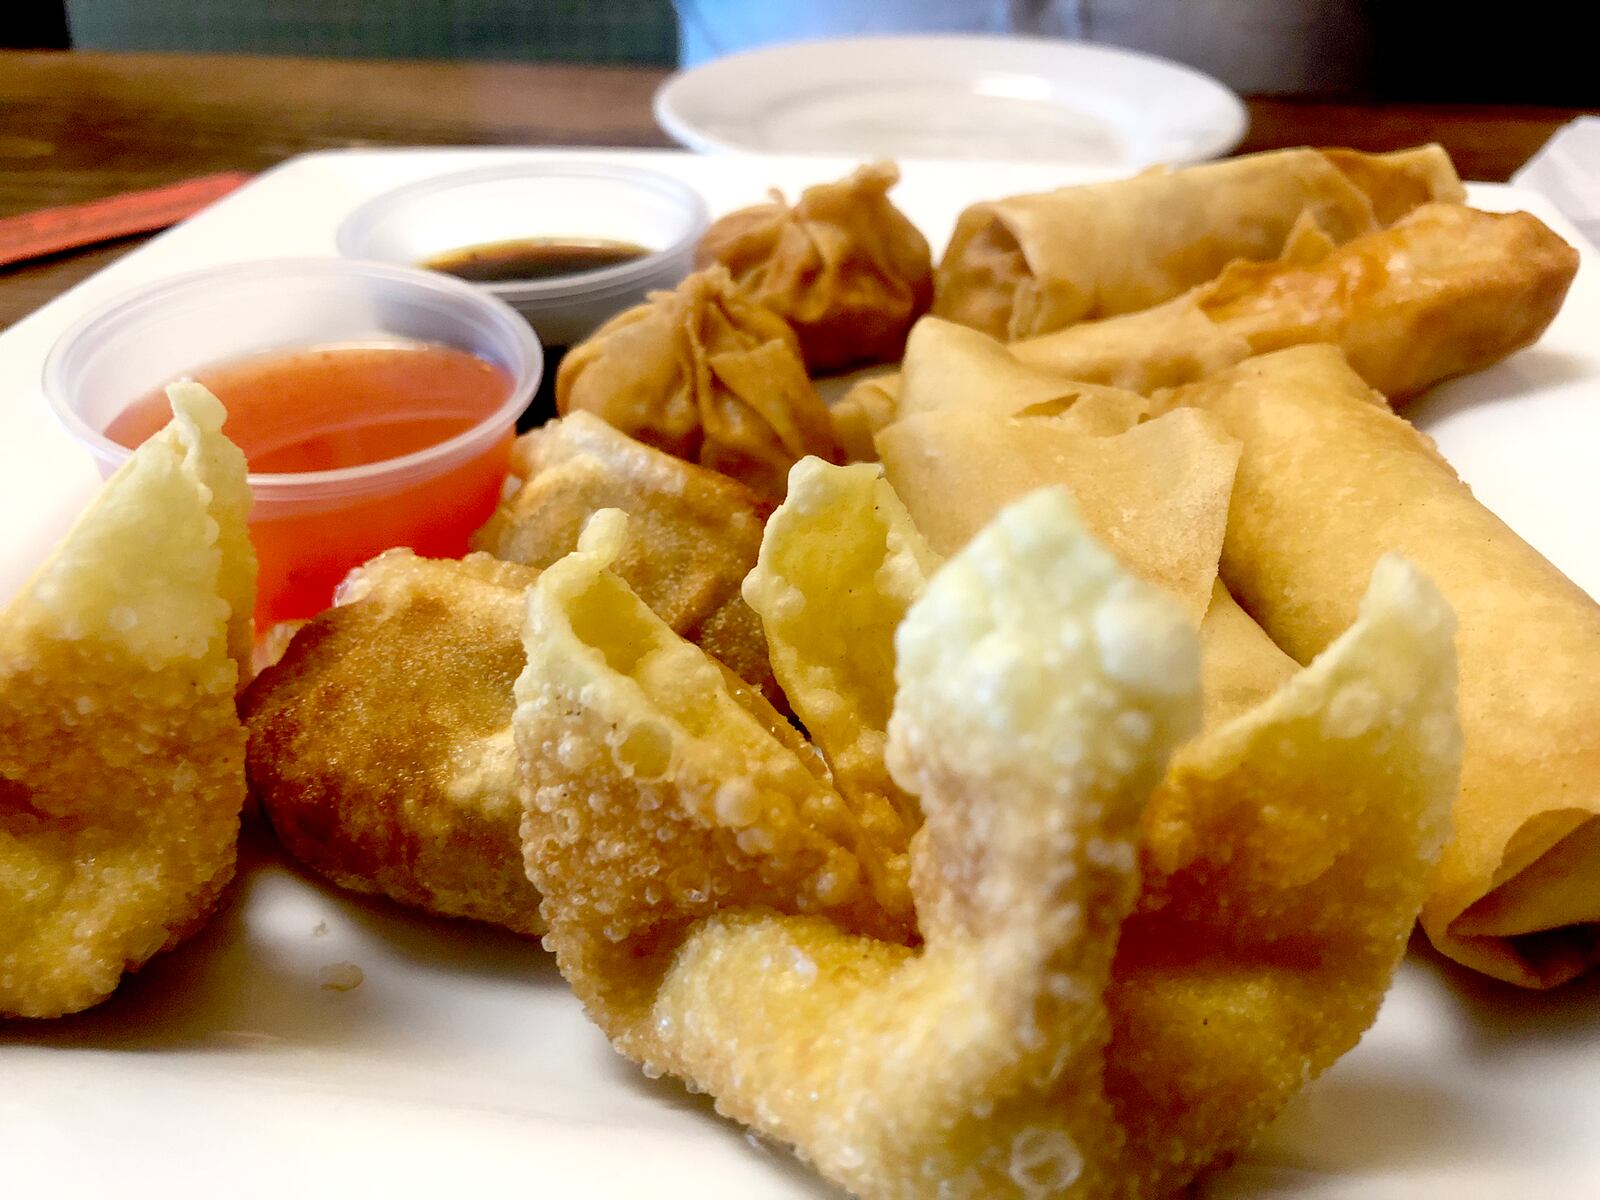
(121, 755)
(380, 743)
(693, 534)
(1033, 732)
(658, 789)
(840, 564)
(1285, 858)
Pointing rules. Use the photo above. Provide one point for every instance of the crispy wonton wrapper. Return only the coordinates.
(840, 563)
(1033, 264)
(1021, 1051)
(380, 743)
(844, 266)
(121, 755)
(1328, 482)
(707, 374)
(1445, 291)
(693, 534)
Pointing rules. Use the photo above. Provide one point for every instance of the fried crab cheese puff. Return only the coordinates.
(1039, 689)
(121, 755)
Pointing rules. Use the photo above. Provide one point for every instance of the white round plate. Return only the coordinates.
(972, 96)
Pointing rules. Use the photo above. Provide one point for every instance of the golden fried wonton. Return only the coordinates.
(380, 743)
(844, 266)
(707, 374)
(1021, 1051)
(840, 564)
(121, 755)
(693, 534)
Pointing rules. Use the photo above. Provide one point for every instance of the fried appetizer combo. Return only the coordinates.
(121, 755)
(844, 266)
(693, 534)
(1445, 291)
(1021, 1050)
(380, 743)
(1328, 482)
(707, 374)
(1033, 264)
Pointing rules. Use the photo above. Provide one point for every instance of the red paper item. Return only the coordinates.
(71, 226)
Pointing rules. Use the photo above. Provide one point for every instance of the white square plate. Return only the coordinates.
(462, 1066)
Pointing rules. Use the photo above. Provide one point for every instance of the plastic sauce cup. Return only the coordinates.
(556, 199)
(309, 528)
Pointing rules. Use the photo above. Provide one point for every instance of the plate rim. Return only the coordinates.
(666, 102)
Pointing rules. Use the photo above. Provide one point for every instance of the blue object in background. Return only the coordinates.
(709, 29)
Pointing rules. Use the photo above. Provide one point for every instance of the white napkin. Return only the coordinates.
(1567, 170)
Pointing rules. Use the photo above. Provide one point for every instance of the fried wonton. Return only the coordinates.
(660, 788)
(380, 742)
(844, 267)
(707, 374)
(1444, 291)
(693, 534)
(1021, 1050)
(840, 563)
(1029, 265)
(121, 755)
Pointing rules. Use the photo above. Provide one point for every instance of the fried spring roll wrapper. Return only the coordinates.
(1157, 496)
(948, 366)
(1032, 264)
(1328, 483)
(1445, 291)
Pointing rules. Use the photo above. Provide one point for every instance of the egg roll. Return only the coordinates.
(1445, 291)
(1032, 264)
(1329, 481)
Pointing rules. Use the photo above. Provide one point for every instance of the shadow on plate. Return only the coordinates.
(251, 977)
(1496, 1015)
(1531, 370)
(671, 1093)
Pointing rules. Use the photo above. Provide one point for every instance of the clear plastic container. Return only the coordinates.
(309, 528)
(572, 199)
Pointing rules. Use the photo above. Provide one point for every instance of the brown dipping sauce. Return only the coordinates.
(532, 258)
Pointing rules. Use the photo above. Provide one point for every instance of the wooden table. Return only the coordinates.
(75, 126)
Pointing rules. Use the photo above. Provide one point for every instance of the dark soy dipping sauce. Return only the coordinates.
(533, 258)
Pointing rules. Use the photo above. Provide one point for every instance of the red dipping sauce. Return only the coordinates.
(336, 407)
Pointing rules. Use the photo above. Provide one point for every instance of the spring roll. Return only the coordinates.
(1032, 264)
(1445, 291)
(1328, 483)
